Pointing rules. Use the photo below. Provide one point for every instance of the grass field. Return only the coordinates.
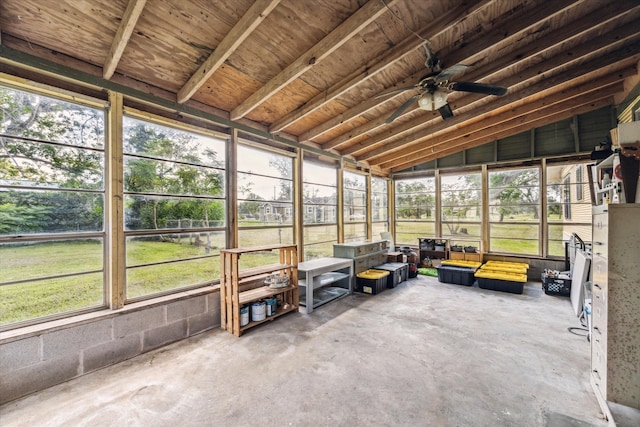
(82, 262)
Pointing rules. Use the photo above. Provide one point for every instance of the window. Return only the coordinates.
(566, 195)
(461, 201)
(52, 207)
(355, 206)
(579, 182)
(566, 216)
(320, 199)
(415, 209)
(514, 211)
(174, 208)
(265, 197)
(379, 207)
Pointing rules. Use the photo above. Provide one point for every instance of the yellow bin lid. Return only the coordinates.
(501, 275)
(373, 274)
(461, 263)
(507, 264)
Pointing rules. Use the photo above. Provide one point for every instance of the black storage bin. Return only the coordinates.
(371, 281)
(456, 275)
(501, 285)
(555, 286)
(397, 272)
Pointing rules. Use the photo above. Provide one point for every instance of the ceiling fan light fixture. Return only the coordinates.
(432, 101)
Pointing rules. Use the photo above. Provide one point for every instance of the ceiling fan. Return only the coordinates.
(435, 88)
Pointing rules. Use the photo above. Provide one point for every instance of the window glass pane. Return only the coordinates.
(320, 204)
(514, 211)
(355, 201)
(31, 300)
(146, 139)
(268, 236)
(172, 247)
(164, 212)
(379, 200)
(51, 182)
(415, 209)
(173, 179)
(568, 211)
(354, 232)
(157, 279)
(319, 241)
(265, 194)
(39, 211)
(461, 200)
(160, 176)
(32, 260)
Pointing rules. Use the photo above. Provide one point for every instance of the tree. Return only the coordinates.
(516, 192)
(50, 144)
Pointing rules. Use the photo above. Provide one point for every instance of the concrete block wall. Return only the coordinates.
(52, 356)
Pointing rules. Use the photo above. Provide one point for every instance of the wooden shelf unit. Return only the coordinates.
(232, 280)
(425, 252)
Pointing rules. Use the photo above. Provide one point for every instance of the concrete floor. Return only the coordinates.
(422, 354)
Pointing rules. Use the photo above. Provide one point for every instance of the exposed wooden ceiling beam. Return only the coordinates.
(523, 127)
(330, 43)
(379, 64)
(258, 11)
(502, 29)
(544, 107)
(128, 23)
(578, 69)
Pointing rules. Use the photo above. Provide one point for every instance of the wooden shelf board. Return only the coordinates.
(256, 271)
(262, 292)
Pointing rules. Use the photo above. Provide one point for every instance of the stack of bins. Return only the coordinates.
(503, 276)
(371, 281)
(398, 272)
(458, 272)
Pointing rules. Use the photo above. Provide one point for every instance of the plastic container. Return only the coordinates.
(503, 281)
(462, 263)
(371, 281)
(397, 273)
(556, 286)
(456, 275)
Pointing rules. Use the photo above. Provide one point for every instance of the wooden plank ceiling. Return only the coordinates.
(310, 71)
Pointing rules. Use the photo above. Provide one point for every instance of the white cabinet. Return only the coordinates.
(322, 280)
(615, 274)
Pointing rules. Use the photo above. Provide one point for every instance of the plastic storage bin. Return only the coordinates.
(456, 275)
(398, 272)
(371, 281)
(556, 286)
(501, 281)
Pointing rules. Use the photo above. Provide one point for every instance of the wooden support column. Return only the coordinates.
(368, 215)
(232, 190)
(484, 224)
(438, 224)
(340, 208)
(298, 207)
(115, 274)
(542, 208)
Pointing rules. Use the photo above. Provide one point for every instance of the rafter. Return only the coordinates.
(547, 106)
(128, 23)
(243, 29)
(331, 42)
(372, 68)
(533, 72)
(529, 105)
(588, 22)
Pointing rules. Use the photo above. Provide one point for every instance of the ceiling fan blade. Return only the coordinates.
(446, 112)
(478, 88)
(394, 91)
(401, 109)
(449, 72)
